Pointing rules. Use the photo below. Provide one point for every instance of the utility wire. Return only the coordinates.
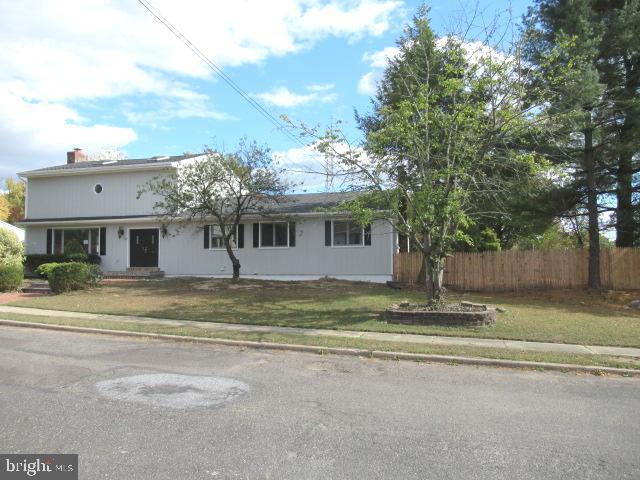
(218, 71)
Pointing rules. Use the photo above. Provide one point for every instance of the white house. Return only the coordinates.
(17, 231)
(94, 204)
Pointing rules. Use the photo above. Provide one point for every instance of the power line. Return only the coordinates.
(218, 71)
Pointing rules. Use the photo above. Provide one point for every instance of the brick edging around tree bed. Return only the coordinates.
(412, 317)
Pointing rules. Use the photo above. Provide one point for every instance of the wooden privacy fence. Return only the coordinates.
(513, 269)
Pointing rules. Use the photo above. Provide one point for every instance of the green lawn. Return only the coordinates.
(569, 316)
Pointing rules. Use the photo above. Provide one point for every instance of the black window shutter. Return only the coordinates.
(206, 237)
(367, 234)
(292, 234)
(50, 241)
(240, 240)
(327, 233)
(256, 235)
(103, 240)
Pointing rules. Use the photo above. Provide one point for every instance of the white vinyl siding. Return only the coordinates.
(181, 252)
(74, 196)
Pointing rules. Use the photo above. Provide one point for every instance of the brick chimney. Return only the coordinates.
(76, 156)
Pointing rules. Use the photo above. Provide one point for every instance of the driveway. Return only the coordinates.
(136, 409)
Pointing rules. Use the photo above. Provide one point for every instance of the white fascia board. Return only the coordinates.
(158, 219)
(105, 169)
(189, 161)
(108, 221)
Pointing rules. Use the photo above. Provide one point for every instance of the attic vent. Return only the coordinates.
(109, 162)
(159, 159)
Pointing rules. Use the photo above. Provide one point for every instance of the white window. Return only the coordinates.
(217, 240)
(76, 240)
(347, 233)
(274, 234)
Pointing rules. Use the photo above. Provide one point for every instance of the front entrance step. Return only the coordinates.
(143, 270)
(133, 274)
(36, 287)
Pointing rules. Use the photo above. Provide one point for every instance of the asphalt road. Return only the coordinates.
(135, 409)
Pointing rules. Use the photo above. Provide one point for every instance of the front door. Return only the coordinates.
(143, 247)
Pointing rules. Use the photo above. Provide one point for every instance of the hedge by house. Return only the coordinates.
(11, 257)
(33, 261)
(65, 277)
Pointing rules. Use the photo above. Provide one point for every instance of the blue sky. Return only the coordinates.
(102, 74)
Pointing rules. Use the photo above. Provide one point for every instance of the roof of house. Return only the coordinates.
(311, 202)
(86, 166)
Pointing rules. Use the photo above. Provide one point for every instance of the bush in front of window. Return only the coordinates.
(66, 277)
(33, 261)
(83, 257)
(74, 246)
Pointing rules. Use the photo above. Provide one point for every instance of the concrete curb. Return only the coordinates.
(357, 352)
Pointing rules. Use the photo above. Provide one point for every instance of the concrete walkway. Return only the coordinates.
(388, 337)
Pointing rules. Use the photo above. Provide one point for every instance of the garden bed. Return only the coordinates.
(459, 315)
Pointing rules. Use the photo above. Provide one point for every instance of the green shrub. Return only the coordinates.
(80, 257)
(11, 258)
(10, 247)
(33, 261)
(66, 277)
(94, 274)
(11, 274)
(74, 246)
(45, 269)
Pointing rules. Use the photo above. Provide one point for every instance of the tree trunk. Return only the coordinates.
(625, 225)
(624, 207)
(592, 211)
(235, 263)
(434, 279)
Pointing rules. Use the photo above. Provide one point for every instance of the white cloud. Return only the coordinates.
(45, 131)
(312, 171)
(192, 105)
(321, 87)
(283, 97)
(378, 61)
(368, 83)
(305, 167)
(475, 51)
(53, 53)
(365, 17)
(381, 58)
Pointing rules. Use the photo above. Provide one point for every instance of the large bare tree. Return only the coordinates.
(222, 188)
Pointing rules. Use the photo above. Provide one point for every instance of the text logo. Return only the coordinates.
(39, 466)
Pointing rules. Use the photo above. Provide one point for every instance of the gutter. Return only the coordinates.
(158, 218)
(91, 170)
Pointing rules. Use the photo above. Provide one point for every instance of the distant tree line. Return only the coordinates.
(12, 201)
